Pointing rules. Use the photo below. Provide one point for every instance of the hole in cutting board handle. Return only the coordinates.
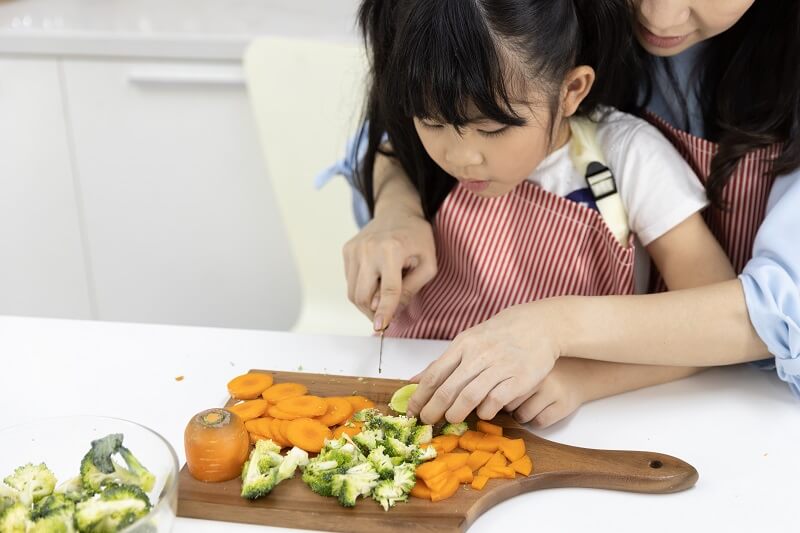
(655, 463)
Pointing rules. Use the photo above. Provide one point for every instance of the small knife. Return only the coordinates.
(380, 353)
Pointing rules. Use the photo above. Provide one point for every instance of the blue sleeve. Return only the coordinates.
(771, 280)
(356, 149)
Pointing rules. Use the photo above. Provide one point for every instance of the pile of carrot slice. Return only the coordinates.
(286, 414)
(472, 458)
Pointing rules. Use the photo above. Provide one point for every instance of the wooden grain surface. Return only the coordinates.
(292, 504)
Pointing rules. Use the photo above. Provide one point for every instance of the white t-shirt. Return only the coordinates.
(658, 188)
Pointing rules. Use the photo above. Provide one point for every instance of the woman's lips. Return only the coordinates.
(475, 186)
(659, 41)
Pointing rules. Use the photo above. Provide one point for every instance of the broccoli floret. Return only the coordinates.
(115, 508)
(260, 472)
(455, 429)
(399, 427)
(357, 481)
(294, 458)
(14, 518)
(321, 481)
(368, 440)
(405, 476)
(420, 455)
(8, 496)
(99, 470)
(368, 417)
(421, 435)
(381, 462)
(32, 482)
(387, 494)
(57, 523)
(56, 503)
(73, 489)
(397, 448)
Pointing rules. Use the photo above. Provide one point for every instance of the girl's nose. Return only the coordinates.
(463, 156)
(661, 16)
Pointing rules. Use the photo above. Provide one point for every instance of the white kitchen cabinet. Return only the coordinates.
(180, 222)
(42, 257)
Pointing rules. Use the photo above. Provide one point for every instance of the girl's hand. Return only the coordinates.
(388, 262)
(490, 365)
(557, 396)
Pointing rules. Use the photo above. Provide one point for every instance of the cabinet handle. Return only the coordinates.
(161, 76)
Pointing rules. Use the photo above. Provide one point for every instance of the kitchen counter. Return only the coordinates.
(174, 29)
(738, 426)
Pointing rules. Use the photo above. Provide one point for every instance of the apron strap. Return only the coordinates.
(589, 160)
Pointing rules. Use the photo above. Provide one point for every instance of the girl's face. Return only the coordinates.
(668, 27)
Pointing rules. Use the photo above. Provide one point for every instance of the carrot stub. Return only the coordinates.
(478, 482)
(282, 391)
(337, 412)
(249, 386)
(307, 434)
(249, 410)
(489, 428)
(217, 445)
(524, 466)
(305, 406)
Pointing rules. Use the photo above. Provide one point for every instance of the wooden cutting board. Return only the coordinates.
(292, 504)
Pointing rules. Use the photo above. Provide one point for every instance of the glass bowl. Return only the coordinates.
(61, 443)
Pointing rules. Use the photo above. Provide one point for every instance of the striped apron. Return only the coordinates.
(746, 193)
(494, 253)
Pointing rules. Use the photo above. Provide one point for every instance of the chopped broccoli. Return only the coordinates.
(57, 523)
(14, 518)
(73, 489)
(99, 470)
(405, 476)
(115, 508)
(56, 503)
(421, 435)
(294, 458)
(387, 494)
(397, 448)
(367, 416)
(33, 482)
(399, 427)
(381, 462)
(260, 472)
(357, 481)
(368, 440)
(420, 455)
(455, 429)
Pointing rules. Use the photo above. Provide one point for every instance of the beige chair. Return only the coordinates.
(307, 98)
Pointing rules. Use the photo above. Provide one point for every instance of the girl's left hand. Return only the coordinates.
(489, 366)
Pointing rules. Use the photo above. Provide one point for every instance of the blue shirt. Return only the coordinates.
(771, 279)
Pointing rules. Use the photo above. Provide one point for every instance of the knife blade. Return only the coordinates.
(380, 353)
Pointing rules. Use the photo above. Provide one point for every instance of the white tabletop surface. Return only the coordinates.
(739, 427)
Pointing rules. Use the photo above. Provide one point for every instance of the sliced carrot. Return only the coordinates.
(337, 412)
(255, 437)
(489, 428)
(450, 488)
(490, 443)
(249, 410)
(455, 461)
(284, 428)
(217, 445)
(463, 474)
(341, 430)
(469, 440)
(277, 434)
(249, 386)
(307, 434)
(259, 426)
(431, 469)
(513, 449)
(438, 483)
(524, 466)
(503, 471)
(489, 472)
(359, 402)
(282, 391)
(305, 406)
(274, 412)
(478, 458)
(421, 490)
(478, 482)
(448, 442)
(498, 459)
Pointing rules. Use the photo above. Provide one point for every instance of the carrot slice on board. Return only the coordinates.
(498, 459)
(490, 443)
(338, 411)
(478, 458)
(359, 402)
(431, 469)
(249, 386)
(305, 406)
(249, 409)
(438, 483)
(341, 430)
(277, 434)
(307, 434)
(463, 474)
(421, 490)
(450, 488)
(455, 461)
(259, 426)
(478, 482)
(524, 466)
(255, 437)
(489, 428)
(489, 472)
(282, 391)
(469, 440)
(274, 412)
(513, 449)
(448, 442)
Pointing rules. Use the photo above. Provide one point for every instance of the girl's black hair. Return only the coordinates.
(750, 90)
(442, 58)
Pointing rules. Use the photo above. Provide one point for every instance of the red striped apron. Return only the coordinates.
(746, 193)
(494, 253)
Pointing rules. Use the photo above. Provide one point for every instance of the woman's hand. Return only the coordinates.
(490, 365)
(388, 262)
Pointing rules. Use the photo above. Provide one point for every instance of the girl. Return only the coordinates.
(706, 326)
(480, 101)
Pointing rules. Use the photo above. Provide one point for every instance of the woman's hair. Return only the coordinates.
(750, 90)
(447, 59)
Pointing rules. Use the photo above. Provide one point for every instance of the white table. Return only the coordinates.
(738, 426)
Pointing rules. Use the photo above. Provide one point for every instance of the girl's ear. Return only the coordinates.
(577, 85)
